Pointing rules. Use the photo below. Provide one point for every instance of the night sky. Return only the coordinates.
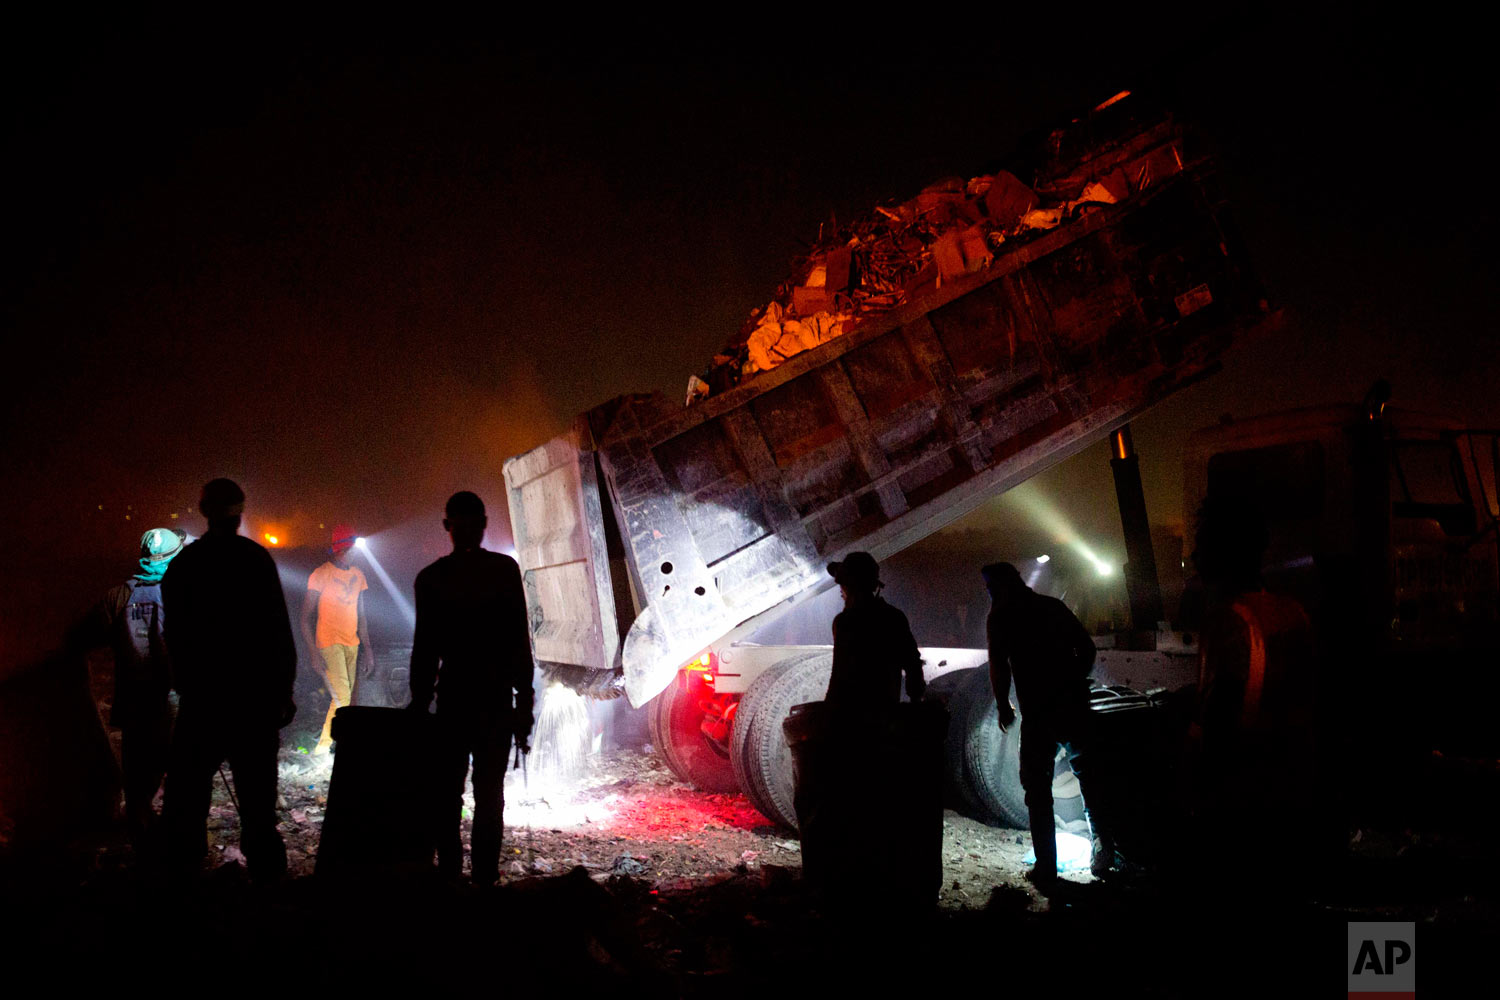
(357, 277)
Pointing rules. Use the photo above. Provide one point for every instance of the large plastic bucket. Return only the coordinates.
(869, 801)
(1127, 761)
(384, 795)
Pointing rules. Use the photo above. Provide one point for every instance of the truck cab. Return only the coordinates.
(1382, 523)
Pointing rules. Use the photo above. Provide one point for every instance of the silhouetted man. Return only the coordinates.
(1049, 652)
(130, 620)
(473, 649)
(872, 641)
(334, 623)
(235, 661)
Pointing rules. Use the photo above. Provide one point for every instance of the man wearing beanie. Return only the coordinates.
(130, 621)
(336, 600)
(234, 661)
(1037, 641)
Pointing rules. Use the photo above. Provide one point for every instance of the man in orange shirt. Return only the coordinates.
(336, 598)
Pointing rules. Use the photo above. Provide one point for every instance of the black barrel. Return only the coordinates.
(1128, 763)
(383, 797)
(869, 801)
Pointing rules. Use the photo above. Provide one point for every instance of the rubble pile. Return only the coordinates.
(904, 252)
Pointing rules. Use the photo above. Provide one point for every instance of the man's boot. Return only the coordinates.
(1043, 874)
(1102, 857)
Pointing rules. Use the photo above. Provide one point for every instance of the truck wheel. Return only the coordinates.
(991, 759)
(992, 764)
(951, 690)
(739, 736)
(766, 758)
(676, 725)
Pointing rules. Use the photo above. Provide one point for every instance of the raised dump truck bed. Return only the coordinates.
(719, 516)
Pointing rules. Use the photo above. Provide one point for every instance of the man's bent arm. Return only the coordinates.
(911, 659)
(522, 664)
(1086, 651)
(94, 629)
(309, 609)
(282, 643)
(999, 667)
(424, 654)
(362, 629)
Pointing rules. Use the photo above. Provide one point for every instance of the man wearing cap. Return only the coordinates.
(1040, 642)
(234, 660)
(472, 649)
(130, 621)
(336, 598)
(872, 642)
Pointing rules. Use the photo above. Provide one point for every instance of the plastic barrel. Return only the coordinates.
(869, 801)
(383, 803)
(1126, 763)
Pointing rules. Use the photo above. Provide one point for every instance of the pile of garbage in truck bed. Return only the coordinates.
(904, 252)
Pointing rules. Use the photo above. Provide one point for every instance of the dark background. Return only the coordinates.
(355, 276)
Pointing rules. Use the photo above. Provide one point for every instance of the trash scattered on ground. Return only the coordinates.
(1073, 852)
(629, 817)
(625, 865)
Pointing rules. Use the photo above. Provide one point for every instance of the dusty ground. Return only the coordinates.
(628, 875)
(627, 814)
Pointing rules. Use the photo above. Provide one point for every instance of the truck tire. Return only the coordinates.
(739, 735)
(675, 723)
(992, 765)
(990, 760)
(951, 690)
(766, 757)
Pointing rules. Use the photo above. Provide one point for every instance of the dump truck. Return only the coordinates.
(656, 539)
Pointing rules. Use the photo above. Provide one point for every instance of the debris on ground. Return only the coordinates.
(628, 873)
(630, 817)
(625, 865)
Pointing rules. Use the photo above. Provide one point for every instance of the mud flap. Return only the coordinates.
(652, 655)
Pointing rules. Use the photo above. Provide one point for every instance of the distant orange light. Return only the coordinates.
(1118, 97)
(272, 539)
